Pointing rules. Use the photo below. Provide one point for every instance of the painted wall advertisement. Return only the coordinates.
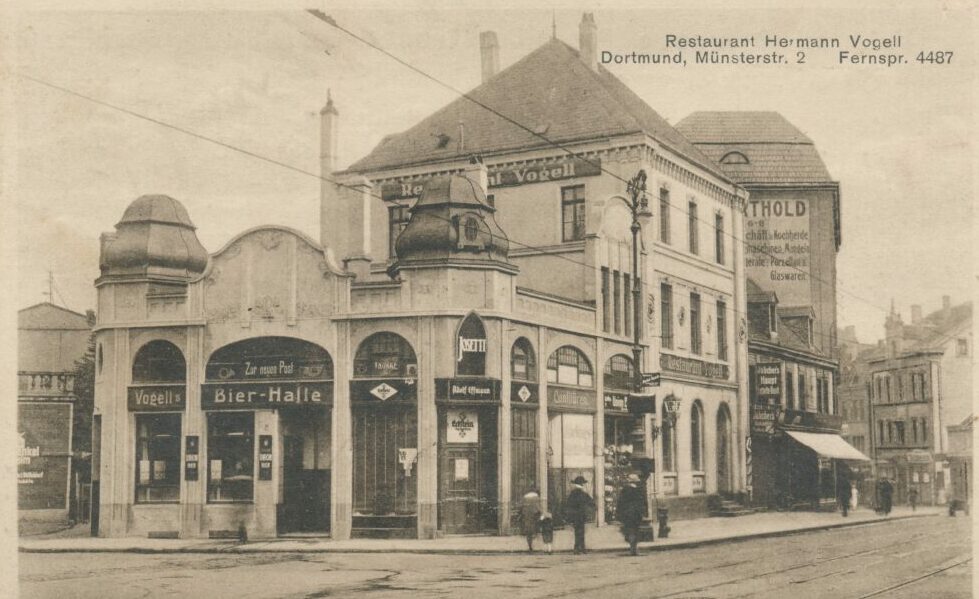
(43, 447)
(778, 253)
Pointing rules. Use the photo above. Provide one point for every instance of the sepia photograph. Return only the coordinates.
(489, 300)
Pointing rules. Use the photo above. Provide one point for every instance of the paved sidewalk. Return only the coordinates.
(683, 534)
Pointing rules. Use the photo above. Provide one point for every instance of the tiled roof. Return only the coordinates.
(937, 326)
(774, 151)
(550, 91)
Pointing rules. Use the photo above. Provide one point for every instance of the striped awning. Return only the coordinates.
(829, 446)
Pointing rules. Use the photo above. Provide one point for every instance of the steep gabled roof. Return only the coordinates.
(551, 92)
(756, 147)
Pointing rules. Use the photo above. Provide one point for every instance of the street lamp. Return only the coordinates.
(639, 207)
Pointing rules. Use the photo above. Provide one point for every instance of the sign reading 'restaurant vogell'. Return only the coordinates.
(245, 396)
(156, 398)
(508, 177)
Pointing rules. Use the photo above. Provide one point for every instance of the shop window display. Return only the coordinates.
(157, 458)
(231, 457)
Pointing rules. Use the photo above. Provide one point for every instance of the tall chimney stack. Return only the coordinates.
(489, 52)
(915, 314)
(329, 192)
(588, 41)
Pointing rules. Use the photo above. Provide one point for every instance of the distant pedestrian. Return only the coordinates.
(886, 495)
(530, 516)
(913, 499)
(547, 530)
(578, 509)
(854, 496)
(843, 497)
(630, 511)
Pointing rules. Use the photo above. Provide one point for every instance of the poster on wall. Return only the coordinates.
(43, 446)
(462, 426)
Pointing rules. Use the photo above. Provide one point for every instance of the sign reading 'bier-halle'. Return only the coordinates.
(257, 396)
(558, 170)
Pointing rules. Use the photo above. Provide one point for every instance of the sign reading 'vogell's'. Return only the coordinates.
(156, 398)
(254, 396)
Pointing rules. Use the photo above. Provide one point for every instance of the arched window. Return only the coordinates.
(669, 445)
(523, 362)
(734, 158)
(385, 355)
(697, 437)
(262, 358)
(620, 375)
(568, 366)
(471, 347)
(159, 362)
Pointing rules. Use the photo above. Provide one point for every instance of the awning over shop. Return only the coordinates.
(829, 446)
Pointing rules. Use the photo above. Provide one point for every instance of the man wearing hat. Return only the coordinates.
(630, 511)
(578, 509)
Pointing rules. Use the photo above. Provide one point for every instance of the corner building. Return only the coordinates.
(468, 339)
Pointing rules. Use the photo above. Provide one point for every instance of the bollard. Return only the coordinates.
(663, 516)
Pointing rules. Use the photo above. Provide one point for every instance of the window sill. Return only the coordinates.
(152, 503)
(230, 501)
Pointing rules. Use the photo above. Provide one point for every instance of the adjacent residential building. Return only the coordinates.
(921, 386)
(462, 332)
(51, 339)
(791, 238)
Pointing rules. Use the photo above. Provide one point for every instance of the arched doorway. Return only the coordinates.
(725, 469)
(294, 378)
(384, 423)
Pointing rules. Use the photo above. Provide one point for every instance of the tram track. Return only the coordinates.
(916, 579)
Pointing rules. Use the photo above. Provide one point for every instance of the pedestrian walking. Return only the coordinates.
(886, 495)
(547, 530)
(843, 497)
(854, 496)
(530, 516)
(913, 498)
(630, 510)
(578, 509)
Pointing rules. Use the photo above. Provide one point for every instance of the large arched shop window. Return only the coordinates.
(385, 355)
(231, 434)
(157, 456)
(523, 362)
(568, 366)
(159, 362)
(697, 436)
(619, 374)
(381, 485)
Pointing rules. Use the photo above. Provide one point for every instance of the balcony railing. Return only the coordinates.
(51, 384)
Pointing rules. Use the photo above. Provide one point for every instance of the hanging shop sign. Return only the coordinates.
(383, 391)
(191, 457)
(269, 368)
(768, 383)
(265, 457)
(264, 396)
(470, 390)
(616, 403)
(527, 394)
(708, 370)
(461, 426)
(564, 398)
(568, 168)
(764, 418)
(157, 398)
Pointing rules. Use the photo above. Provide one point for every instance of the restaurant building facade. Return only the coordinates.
(468, 340)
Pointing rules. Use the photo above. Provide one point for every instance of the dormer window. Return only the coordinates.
(734, 158)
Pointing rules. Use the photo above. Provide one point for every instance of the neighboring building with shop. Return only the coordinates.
(959, 456)
(853, 396)
(50, 341)
(792, 235)
(416, 375)
(921, 387)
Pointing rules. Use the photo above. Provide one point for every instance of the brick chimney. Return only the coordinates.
(489, 54)
(915, 314)
(588, 41)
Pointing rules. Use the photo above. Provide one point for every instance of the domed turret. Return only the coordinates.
(154, 237)
(452, 222)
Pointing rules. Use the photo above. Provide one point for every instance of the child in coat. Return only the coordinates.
(547, 530)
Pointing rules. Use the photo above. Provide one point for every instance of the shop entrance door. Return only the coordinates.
(305, 506)
(467, 470)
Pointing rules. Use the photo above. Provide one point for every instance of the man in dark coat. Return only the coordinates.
(886, 494)
(578, 509)
(630, 511)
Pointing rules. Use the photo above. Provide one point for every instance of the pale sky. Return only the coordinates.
(899, 140)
